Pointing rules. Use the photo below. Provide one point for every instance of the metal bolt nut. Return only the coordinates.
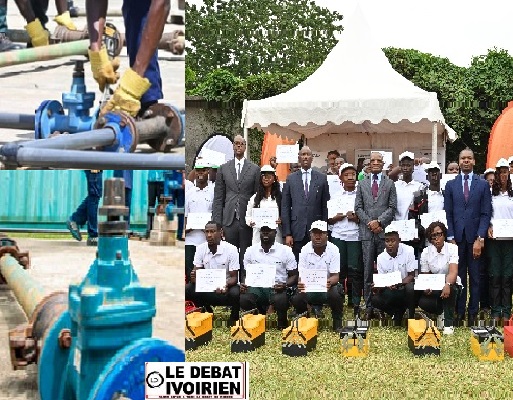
(65, 339)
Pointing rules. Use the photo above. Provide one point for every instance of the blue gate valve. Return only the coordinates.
(50, 116)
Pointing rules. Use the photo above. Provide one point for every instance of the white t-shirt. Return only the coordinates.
(438, 263)
(226, 257)
(264, 203)
(404, 261)
(198, 200)
(502, 207)
(279, 255)
(405, 197)
(435, 201)
(345, 230)
(329, 260)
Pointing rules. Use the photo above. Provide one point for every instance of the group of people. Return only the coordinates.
(352, 231)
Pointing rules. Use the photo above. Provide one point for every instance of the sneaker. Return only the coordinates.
(6, 44)
(92, 241)
(74, 230)
(448, 330)
(440, 321)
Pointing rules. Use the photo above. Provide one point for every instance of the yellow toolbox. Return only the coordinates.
(487, 343)
(423, 336)
(248, 334)
(354, 339)
(300, 337)
(198, 328)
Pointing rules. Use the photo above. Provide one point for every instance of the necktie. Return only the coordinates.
(465, 188)
(238, 170)
(306, 183)
(375, 186)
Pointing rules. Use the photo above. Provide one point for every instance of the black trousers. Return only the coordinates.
(334, 297)
(241, 236)
(230, 298)
(434, 304)
(396, 301)
(260, 298)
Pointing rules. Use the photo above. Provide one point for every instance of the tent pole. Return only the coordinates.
(434, 145)
(246, 154)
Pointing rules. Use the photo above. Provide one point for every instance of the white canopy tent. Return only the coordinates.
(355, 91)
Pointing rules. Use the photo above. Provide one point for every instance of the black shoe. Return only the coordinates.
(356, 312)
(92, 241)
(6, 44)
(74, 229)
(317, 312)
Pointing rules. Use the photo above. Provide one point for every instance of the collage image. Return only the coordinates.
(294, 199)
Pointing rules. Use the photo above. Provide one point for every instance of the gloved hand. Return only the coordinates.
(65, 20)
(104, 70)
(38, 35)
(128, 94)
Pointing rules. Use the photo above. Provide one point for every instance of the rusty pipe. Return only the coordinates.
(26, 290)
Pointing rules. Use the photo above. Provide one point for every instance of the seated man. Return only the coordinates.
(216, 254)
(394, 300)
(270, 253)
(440, 257)
(319, 254)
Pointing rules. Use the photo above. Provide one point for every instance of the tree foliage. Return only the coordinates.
(249, 37)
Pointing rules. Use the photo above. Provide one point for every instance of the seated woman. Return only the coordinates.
(440, 257)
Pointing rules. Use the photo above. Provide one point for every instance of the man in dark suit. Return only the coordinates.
(236, 181)
(468, 207)
(304, 200)
(375, 206)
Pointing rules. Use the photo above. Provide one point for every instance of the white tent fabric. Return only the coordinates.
(354, 90)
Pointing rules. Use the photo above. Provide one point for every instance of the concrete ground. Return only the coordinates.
(23, 87)
(56, 263)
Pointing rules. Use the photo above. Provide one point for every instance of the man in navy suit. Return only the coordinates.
(468, 206)
(304, 200)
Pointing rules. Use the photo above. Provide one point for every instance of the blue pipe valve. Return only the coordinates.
(50, 116)
(110, 318)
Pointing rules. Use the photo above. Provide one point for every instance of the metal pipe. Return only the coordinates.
(27, 291)
(43, 53)
(16, 155)
(151, 128)
(76, 141)
(17, 121)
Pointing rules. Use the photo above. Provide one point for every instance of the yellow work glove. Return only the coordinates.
(38, 35)
(128, 94)
(65, 20)
(104, 70)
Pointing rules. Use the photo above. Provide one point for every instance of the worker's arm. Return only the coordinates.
(96, 11)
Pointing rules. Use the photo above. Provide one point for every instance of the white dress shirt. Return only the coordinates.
(279, 255)
(438, 262)
(404, 261)
(226, 257)
(329, 260)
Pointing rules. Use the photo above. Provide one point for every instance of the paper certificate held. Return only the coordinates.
(315, 280)
(386, 280)
(430, 281)
(341, 205)
(503, 228)
(427, 218)
(260, 275)
(286, 153)
(261, 215)
(406, 229)
(198, 220)
(208, 280)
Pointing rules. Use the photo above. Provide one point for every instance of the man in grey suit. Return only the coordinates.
(304, 200)
(236, 181)
(375, 206)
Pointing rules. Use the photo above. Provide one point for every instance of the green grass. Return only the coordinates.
(390, 371)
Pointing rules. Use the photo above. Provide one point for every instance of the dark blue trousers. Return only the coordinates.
(468, 265)
(135, 13)
(87, 211)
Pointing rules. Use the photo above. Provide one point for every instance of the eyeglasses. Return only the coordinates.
(436, 235)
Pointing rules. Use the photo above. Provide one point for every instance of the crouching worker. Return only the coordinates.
(320, 255)
(268, 252)
(216, 254)
(396, 299)
(440, 257)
